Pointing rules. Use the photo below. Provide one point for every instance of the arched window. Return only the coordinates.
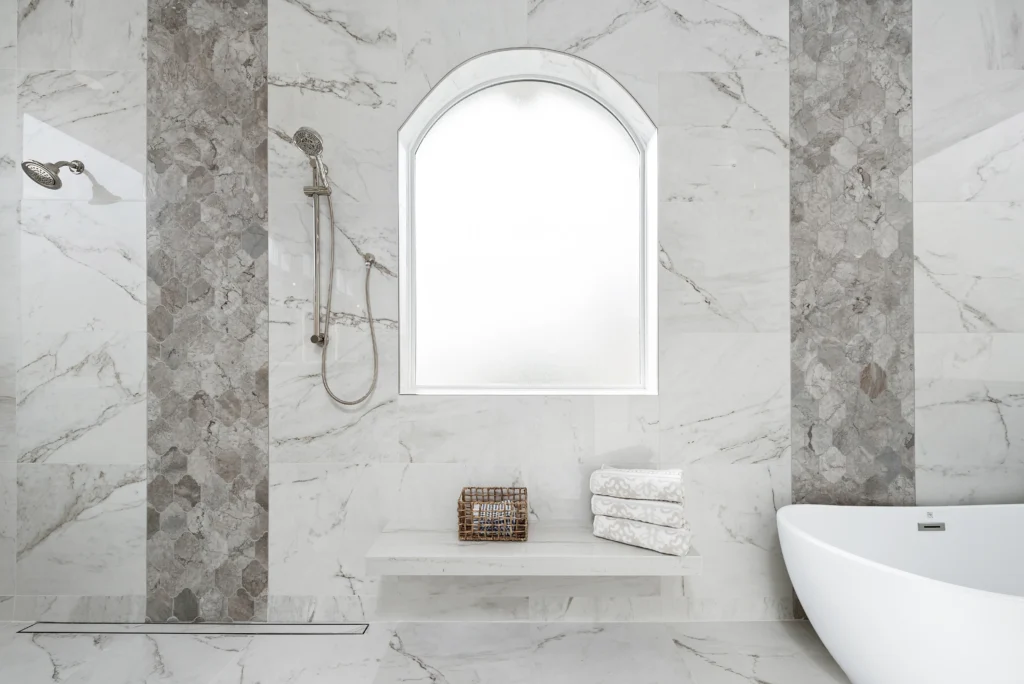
(528, 232)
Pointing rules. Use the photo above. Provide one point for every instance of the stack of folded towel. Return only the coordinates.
(640, 507)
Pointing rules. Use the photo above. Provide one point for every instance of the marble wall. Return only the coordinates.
(207, 311)
(72, 348)
(969, 237)
(714, 76)
(851, 251)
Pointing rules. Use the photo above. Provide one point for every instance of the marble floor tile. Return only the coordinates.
(968, 273)
(83, 266)
(81, 529)
(453, 653)
(981, 34)
(81, 397)
(309, 659)
(119, 659)
(98, 117)
(970, 418)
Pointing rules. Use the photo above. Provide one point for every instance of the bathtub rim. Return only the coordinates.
(791, 526)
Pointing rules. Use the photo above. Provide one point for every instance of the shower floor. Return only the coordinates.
(435, 653)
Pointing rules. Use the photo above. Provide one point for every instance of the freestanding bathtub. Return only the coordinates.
(912, 595)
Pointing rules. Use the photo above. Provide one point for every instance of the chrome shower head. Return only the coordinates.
(309, 141)
(48, 175)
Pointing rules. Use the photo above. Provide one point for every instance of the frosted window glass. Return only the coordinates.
(527, 234)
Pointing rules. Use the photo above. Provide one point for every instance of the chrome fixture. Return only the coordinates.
(310, 142)
(48, 175)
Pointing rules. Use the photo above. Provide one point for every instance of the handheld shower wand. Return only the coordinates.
(310, 142)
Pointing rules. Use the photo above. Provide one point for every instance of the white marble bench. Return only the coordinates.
(550, 551)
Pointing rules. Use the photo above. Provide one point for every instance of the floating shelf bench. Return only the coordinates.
(551, 551)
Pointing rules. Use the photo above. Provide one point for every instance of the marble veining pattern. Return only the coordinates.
(207, 512)
(851, 252)
(780, 653)
(401, 460)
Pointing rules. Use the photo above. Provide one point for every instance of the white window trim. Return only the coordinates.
(529, 64)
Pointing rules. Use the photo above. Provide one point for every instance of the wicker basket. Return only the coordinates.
(493, 514)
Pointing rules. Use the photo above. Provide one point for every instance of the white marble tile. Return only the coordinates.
(8, 401)
(980, 34)
(970, 418)
(728, 653)
(321, 36)
(725, 265)
(6, 614)
(452, 429)
(625, 431)
(725, 399)
(8, 34)
(8, 528)
(83, 266)
(986, 166)
(459, 653)
(81, 608)
(81, 398)
(81, 529)
(946, 107)
(98, 117)
(608, 609)
(306, 425)
(10, 137)
(552, 587)
(435, 36)
(320, 609)
(119, 659)
(334, 513)
(968, 275)
(309, 659)
(357, 121)
(643, 38)
(64, 34)
(452, 608)
(723, 136)
(9, 329)
(731, 511)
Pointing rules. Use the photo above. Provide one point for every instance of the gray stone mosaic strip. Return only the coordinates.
(852, 252)
(207, 311)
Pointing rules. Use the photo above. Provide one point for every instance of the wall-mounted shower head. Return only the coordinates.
(309, 141)
(48, 175)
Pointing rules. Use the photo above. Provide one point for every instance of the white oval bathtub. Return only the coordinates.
(896, 605)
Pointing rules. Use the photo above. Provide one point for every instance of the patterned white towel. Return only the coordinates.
(655, 512)
(669, 540)
(653, 485)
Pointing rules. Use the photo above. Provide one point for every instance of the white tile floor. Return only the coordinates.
(434, 653)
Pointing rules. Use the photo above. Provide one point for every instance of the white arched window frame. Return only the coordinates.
(546, 66)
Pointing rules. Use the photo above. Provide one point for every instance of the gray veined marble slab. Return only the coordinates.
(551, 551)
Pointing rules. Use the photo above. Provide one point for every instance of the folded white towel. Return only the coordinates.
(652, 485)
(655, 512)
(668, 540)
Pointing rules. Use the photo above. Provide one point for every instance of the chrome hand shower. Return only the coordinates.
(310, 142)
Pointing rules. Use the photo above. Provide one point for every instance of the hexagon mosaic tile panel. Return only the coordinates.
(852, 300)
(208, 348)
